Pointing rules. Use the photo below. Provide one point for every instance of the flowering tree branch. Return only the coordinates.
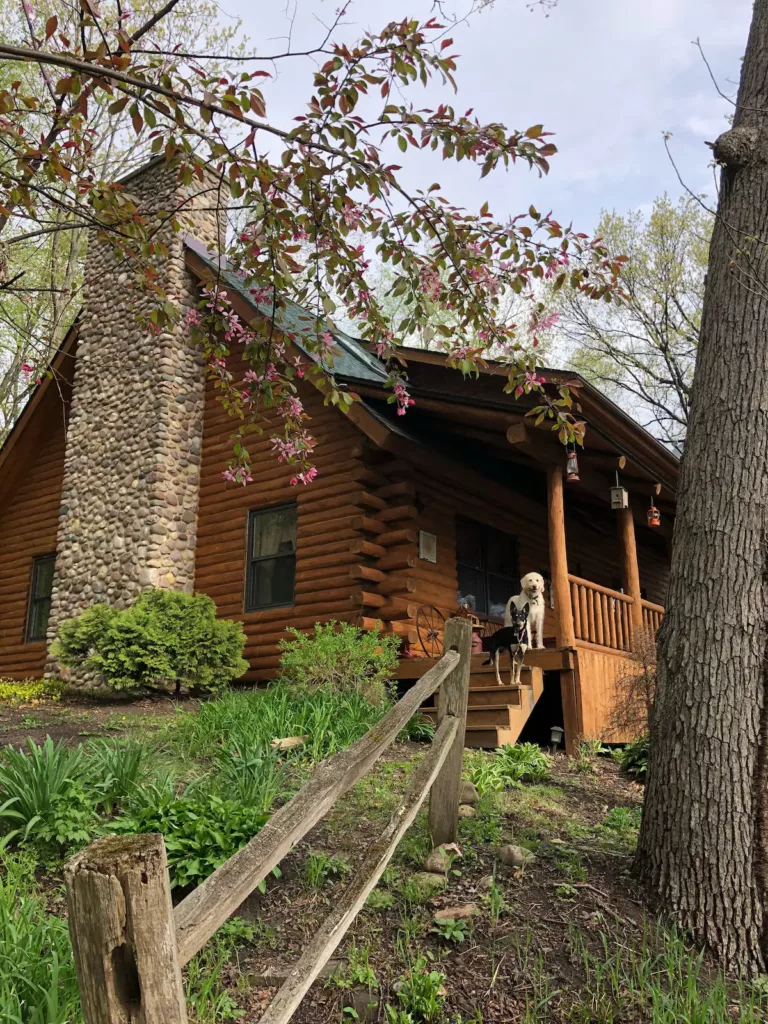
(305, 206)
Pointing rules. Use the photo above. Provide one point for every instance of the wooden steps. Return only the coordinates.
(497, 714)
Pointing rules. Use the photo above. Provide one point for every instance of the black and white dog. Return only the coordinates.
(512, 638)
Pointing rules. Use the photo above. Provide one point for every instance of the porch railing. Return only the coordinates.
(652, 615)
(600, 615)
(604, 616)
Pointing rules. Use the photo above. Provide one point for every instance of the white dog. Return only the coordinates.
(532, 594)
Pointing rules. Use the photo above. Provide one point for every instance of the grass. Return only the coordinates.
(661, 979)
(37, 974)
(209, 777)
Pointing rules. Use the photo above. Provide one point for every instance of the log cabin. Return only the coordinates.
(111, 481)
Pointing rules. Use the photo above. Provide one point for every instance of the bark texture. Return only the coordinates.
(702, 845)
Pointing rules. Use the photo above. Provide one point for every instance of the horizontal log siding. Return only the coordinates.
(28, 526)
(329, 513)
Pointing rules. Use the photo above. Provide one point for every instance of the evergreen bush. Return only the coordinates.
(164, 637)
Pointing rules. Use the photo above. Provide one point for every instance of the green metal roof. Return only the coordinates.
(351, 359)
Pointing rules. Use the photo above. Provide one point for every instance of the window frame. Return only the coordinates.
(37, 561)
(251, 562)
(484, 572)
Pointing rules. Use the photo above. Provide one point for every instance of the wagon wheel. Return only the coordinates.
(430, 624)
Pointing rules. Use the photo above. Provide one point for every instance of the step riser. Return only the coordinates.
(501, 695)
(491, 717)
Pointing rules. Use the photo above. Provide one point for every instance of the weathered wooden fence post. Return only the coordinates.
(452, 700)
(124, 941)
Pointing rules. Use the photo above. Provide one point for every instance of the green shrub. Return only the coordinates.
(340, 657)
(634, 758)
(42, 795)
(165, 637)
(29, 691)
(37, 975)
(200, 832)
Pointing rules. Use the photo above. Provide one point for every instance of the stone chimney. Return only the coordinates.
(129, 499)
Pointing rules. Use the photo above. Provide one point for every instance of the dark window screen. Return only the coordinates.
(271, 568)
(40, 597)
(487, 567)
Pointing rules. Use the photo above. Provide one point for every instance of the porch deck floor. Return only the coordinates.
(546, 658)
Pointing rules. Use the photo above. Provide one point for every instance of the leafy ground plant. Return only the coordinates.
(510, 765)
(633, 759)
(420, 994)
(42, 795)
(200, 832)
(451, 930)
(320, 867)
(114, 767)
(207, 995)
(29, 691)
(253, 719)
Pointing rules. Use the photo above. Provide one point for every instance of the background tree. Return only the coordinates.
(42, 265)
(305, 189)
(702, 844)
(642, 350)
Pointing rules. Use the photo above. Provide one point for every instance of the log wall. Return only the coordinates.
(336, 522)
(30, 499)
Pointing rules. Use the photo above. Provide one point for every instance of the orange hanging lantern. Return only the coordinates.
(572, 466)
(654, 516)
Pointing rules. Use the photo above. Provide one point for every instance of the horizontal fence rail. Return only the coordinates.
(130, 945)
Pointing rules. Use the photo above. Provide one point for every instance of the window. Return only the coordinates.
(487, 567)
(271, 567)
(40, 597)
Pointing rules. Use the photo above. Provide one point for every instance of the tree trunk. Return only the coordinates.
(702, 842)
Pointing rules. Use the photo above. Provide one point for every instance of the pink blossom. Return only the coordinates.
(292, 407)
(193, 318)
(550, 320)
(352, 216)
(237, 475)
(305, 477)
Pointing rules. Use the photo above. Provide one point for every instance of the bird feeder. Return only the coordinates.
(653, 516)
(572, 466)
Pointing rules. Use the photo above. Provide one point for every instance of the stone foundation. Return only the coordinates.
(132, 466)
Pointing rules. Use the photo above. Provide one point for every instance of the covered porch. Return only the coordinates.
(473, 457)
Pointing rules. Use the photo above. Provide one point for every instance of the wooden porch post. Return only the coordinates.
(561, 590)
(558, 557)
(630, 571)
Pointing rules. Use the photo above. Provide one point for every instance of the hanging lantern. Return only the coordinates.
(572, 466)
(619, 495)
(654, 516)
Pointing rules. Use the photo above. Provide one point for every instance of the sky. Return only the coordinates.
(608, 77)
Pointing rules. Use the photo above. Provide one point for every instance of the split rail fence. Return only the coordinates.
(130, 943)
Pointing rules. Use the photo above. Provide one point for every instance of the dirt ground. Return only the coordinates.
(579, 881)
(75, 718)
